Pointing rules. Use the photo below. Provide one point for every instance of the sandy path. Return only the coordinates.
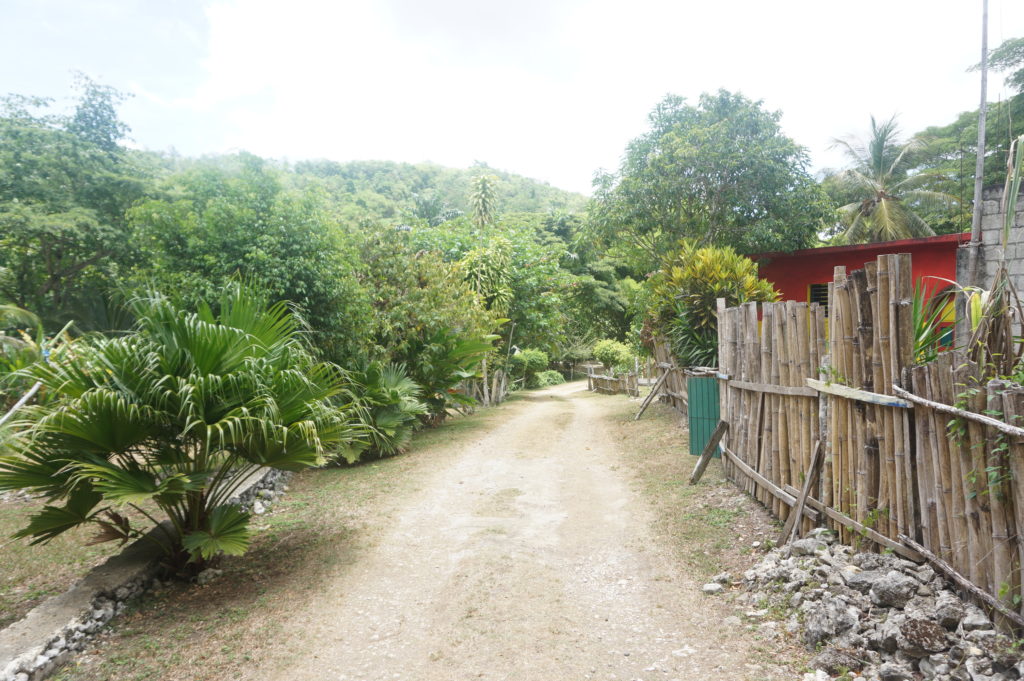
(526, 558)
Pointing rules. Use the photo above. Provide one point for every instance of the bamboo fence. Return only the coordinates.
(673, 392)
(897, 462)
(627, 384)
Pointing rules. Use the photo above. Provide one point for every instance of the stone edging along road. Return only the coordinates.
(38, 644)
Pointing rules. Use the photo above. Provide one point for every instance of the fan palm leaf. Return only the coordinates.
(177, 414)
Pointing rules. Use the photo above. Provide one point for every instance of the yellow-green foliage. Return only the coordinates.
(697, 277)
(685, 294)
(613, 354)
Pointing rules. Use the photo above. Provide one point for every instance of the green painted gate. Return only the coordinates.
(702, 408)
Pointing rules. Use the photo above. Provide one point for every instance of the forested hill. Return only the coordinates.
(427, 191)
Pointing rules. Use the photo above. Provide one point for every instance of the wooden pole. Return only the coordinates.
(708, 452)
(791, 527)
(651, 395)
(964, 583)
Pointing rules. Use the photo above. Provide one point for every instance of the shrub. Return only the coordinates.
(685, 295)
(176, 415)
(389, 405)
(614, 355)
(442, 362)
(549, 377)
(525, 364)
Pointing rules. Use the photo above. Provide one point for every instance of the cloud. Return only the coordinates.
(555, 89)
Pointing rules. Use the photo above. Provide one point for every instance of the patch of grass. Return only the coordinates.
(325, 522)
(30, 574)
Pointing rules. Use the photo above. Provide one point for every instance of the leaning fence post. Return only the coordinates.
(709, 451)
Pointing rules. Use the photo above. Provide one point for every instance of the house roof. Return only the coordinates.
(903, 244)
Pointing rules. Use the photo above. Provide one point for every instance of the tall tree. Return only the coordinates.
(65, 184)
(720, 172)
(484, 198)
(1010, 56)
(887, 197)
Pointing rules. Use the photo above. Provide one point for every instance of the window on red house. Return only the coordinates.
(818, 293)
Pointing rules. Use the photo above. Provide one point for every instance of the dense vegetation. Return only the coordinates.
(141, 290)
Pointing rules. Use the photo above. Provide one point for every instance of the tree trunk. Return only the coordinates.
(486, 397)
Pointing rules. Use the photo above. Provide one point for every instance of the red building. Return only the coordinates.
(805, 275)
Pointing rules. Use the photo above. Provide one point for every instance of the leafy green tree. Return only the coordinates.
(525, 364)
(720, 172)
(614, 355)
(64, 187)
(484, 198)
(175, 415)
(887, 196)
(235, 216)
(1010, 57)
(488, 271)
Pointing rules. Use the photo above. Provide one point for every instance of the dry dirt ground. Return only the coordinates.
(551, 538)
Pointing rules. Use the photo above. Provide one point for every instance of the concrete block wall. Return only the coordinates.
(992, 237)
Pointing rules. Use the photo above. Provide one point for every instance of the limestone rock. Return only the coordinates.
(827, 618)
(893, 589)
(975, 619)
(920, 638)
(891, 671)
(807, 547)
(722, 578)
(861, 580)
(949, 609)
(872, 561)
(837, 660)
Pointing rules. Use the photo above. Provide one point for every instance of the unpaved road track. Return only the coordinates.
(526, 557)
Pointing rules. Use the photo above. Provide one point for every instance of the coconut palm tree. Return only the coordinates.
(170, 419)
(888, 196)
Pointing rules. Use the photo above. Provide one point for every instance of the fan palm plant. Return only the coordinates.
(170, 419)
(391, 407)
(887, 195)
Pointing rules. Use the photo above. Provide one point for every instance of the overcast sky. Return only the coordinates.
(550, 89)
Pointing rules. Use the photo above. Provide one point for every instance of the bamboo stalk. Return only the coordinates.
(977, 440)
(949, 530)
(928, 480)
(764, 464)
(961, 547)
(886, 436)
(1013, 401)
(904, 360)
(1004, 553)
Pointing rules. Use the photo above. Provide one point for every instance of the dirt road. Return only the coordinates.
(527, 556)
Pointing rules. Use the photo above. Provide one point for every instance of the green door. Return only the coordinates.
(702, 394)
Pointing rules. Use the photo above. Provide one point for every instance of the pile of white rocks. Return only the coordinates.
(271, 487)
(34, 647)
(40, 661)
(877, 617)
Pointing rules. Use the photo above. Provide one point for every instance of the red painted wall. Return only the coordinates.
(792, 273)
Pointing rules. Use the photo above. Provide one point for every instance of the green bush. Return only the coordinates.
(442, 362)
(389, 406)
(686, 292)
(175, 415)
(549, 377)
(526, 363)
(614, 355)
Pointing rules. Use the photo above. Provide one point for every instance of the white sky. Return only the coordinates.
(550, 89)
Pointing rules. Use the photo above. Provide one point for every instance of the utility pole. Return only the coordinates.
(970, 275)
(979, 165)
